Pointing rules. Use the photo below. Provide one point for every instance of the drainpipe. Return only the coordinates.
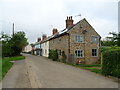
(84, 32)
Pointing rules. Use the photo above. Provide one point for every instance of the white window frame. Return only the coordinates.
(96, 52)
(77, 51)
(76, 39)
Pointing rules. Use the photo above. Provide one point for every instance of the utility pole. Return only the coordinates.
(13, 30)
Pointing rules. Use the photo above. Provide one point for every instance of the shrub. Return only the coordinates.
(63, 57)
(53, 55)
(111, 62)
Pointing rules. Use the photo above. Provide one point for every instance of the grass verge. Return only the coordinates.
(6, 64)
(96, 68)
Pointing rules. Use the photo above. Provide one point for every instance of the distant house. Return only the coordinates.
(27, 48)
(37, 48)
(45, 45)
(78, 41)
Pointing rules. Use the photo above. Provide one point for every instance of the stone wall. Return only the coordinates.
(87, 45)
(60, 43)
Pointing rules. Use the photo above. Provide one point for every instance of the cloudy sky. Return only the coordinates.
(37, 17)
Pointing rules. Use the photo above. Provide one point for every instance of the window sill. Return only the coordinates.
(79, 42)
(79, 57)
(94, 56)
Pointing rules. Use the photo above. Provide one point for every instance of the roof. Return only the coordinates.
(64, 32)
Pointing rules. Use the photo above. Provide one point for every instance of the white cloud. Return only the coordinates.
(103, 26)
(40, 16)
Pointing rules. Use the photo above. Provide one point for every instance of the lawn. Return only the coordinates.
(91, 67)
(5, 64)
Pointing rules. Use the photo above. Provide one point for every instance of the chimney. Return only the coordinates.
(69, 21)
(44, 36)
(39, 39)
(54, 31)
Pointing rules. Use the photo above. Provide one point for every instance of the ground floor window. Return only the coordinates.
(79, 53)
(59, 52)
(94, 52)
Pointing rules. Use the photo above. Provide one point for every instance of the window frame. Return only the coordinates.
(76, 39)
(77, 53)
(94, 41)
(96, 52)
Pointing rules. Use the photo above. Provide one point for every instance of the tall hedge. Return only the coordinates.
(53, 54)
(111, 62)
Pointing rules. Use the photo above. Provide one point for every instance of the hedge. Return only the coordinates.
(53, 54)
(111, 62)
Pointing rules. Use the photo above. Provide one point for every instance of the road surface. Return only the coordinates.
(51, 74)
(17, 76)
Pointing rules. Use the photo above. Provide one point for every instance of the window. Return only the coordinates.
(79, 53)
(45, 51)
(94, 52)
(59, 52)
(78, 38)
(53, 40)
(94, 39)
(59, 39)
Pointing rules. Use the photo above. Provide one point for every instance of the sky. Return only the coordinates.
(37, 17)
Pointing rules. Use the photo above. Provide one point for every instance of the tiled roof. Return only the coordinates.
(62, 32)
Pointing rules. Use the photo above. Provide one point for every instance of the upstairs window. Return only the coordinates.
(79, 53)
(53, 41)
(79, 39)
(94, 39)
(59, 39)
(94, 52)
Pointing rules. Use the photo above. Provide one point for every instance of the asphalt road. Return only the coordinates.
(17, 76)
(51, 74)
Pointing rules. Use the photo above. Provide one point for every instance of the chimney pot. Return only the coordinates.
(39, 39)
(67, 17)
(69, 21)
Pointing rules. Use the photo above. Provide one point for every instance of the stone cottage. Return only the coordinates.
(77, 42)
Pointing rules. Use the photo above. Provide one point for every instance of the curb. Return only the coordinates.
(32, 76)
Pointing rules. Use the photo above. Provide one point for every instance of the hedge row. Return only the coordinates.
(53, 54)
(111, 62)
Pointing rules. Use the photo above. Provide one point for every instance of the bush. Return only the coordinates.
(111, 62)
(63, 57)
(53, 55)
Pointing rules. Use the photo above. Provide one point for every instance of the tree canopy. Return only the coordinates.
(113, 40)
(12, 46)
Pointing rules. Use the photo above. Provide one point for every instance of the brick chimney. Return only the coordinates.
(69, 21)
(39, 39)
(54, 31)
(44, 36)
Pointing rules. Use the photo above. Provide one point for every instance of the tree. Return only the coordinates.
(17, 42)
(113, 40)
(12, 46)
(6, 49)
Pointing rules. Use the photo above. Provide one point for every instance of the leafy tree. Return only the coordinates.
(12, 46)
(113, 40)
(17, 42)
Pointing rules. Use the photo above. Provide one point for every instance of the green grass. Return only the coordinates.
(0, 68)
(90, 67)
(5, 64)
